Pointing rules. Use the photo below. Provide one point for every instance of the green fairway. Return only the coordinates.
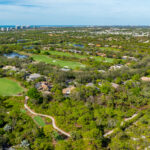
(67, 54)
(39, 121)
(109, 49)
(9, 87)
(57, 62)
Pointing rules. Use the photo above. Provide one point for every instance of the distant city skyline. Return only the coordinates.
(74, 12)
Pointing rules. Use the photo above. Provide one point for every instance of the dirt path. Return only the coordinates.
(47, 116)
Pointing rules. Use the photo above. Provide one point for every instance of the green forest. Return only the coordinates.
(75, 89)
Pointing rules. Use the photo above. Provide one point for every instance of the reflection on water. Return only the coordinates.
(78, 45)
(13, 55)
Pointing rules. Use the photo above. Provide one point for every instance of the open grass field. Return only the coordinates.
(67, 54)
(39, 121)
(9, 87)
(57, 62)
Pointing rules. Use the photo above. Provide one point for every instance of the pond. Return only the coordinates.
(28, 47)
(13, 55)
(78, 45)
(23, 40)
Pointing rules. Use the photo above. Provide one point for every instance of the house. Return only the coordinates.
(101, 54)
(64, 50)
(46, 48)
(101, 71)
(110, 39)
(90, 44)
(128, 64)
(100, 83)
(69, 81)
(146, 41)
(88, 53)
(89, 85)
(114, 85)
(119, 66)
(114, 56)
(133, 58)
(13, 68)
(50, 34)
(98, 45)
(68, 90)
(124, 57)
(65, 69)
(106, 45)
(33, 77)
(114, 46)
(146, 79)
(43, 86)
(130, 58)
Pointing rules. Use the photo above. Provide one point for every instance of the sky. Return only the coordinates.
(74, 12)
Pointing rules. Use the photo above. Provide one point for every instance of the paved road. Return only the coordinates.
(47, 116)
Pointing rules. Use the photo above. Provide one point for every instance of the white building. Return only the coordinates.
(116, 67)
(33, 77)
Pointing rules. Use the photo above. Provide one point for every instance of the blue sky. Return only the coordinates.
(75, 12)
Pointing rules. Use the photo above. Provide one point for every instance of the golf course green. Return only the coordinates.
(9, 87)
(67, 54)
(57, 62)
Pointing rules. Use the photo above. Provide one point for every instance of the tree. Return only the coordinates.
(63, 145)
(48, 130)
(58, 96)
(35, 95)
(93, 137)
(42, 144)
(76, 135)
(105, 88)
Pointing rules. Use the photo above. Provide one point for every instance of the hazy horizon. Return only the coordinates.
(78, 25)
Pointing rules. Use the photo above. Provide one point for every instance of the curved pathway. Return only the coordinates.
(125, 120)
(46, 116)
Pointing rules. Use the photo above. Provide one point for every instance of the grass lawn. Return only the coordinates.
(9, 87)
(39, 121)
(97, 58)
(57, 62)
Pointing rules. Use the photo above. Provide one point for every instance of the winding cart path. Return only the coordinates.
(125, 120)
(46, 116)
